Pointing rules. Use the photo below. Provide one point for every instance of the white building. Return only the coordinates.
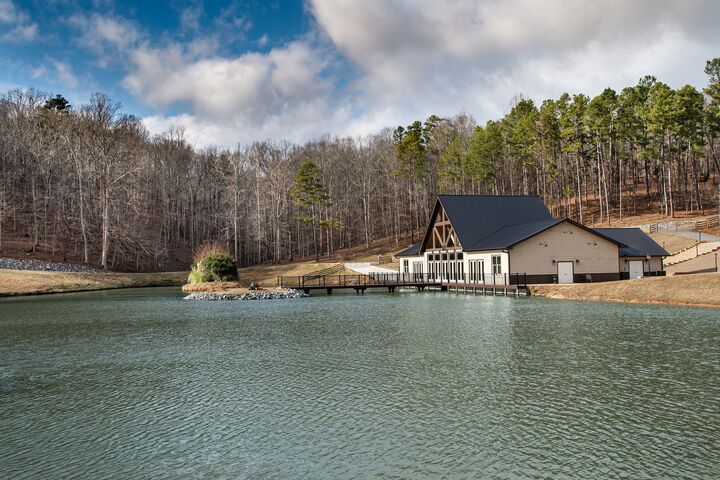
(483, 239)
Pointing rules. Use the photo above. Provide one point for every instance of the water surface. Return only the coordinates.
(138, 384)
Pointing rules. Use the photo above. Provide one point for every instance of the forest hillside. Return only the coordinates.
(87, 183)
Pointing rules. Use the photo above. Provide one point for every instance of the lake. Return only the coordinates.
(139, 383)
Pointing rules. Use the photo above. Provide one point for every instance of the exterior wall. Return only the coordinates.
(433, 268)
(486, 257)
(590, 254)
(654, 266)
(411, 264)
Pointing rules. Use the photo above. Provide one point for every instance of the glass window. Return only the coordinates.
(496, 265)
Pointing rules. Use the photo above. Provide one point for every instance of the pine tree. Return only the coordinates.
(309, 193)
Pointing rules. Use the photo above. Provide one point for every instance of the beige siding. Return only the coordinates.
(655, 264)
(565, 242)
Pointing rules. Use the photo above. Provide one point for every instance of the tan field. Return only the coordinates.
(696, 290)
(26, 282)
(266, 275)
(671, 242)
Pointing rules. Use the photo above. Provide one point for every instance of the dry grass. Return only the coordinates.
(671, 242)
(208, 249)
(266, 275)
(697, 290)
(25, 282)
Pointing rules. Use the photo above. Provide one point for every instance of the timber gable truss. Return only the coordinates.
(442, 235)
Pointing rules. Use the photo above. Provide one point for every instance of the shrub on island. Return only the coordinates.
(212, 263)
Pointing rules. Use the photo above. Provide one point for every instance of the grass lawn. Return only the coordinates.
(26, 282)
(671, 242)
(699, 289)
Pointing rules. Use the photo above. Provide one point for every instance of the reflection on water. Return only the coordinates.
(141, 384)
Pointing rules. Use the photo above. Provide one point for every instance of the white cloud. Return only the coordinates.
(310, 120)
(8, 12)
(426, 56)
(18, 27)
(57, 73)
(190, 17)
(107, 36)
(413, 58)
(252, 86)
(64, 74)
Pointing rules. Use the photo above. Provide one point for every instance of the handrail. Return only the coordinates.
(325, 271)
(397, 279)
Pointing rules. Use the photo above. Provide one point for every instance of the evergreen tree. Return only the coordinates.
(310, 194)
(57, 103)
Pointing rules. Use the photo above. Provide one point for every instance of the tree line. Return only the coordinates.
(89, 183)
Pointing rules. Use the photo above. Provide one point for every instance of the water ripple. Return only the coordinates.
(390, 386)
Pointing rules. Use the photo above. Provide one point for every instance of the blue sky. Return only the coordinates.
(234, 72)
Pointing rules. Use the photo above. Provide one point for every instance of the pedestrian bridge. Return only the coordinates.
(514, 284)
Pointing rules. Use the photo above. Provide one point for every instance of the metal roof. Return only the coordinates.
(410, 252)
(478, 217)
(512, 234)
(488, 222)
(638, 243)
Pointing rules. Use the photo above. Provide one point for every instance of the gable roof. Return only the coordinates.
(638, 244)
(512, 234)
(493, 222)
(411, 251)
(475, 217)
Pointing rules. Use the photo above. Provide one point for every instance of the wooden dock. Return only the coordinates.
(481, 289)
(391, 282)
(359, 283)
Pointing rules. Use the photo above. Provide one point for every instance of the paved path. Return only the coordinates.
(368, 268)
(694, 235)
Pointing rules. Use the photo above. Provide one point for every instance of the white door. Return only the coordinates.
(566, 272)
(635, 268)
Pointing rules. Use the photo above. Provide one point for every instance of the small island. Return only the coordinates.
(214, 276)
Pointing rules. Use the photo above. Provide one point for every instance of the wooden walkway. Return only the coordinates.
(391, 282)
(477, 289)
(359, 283)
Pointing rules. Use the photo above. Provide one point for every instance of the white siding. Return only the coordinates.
(411, 263)
(486, 257)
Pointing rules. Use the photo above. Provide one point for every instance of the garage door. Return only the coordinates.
(565, 272)
(636, 268)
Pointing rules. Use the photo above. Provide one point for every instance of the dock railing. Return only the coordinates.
(398, 279)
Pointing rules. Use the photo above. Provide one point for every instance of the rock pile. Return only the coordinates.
(30, 264)
(253, 295)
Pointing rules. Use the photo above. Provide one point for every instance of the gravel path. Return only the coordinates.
(694, 235)
(37, 265)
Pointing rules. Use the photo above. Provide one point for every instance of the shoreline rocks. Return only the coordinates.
(40, 266)
(251, 295)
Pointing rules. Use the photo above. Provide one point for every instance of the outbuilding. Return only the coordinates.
(641, 257)
(491, 239)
